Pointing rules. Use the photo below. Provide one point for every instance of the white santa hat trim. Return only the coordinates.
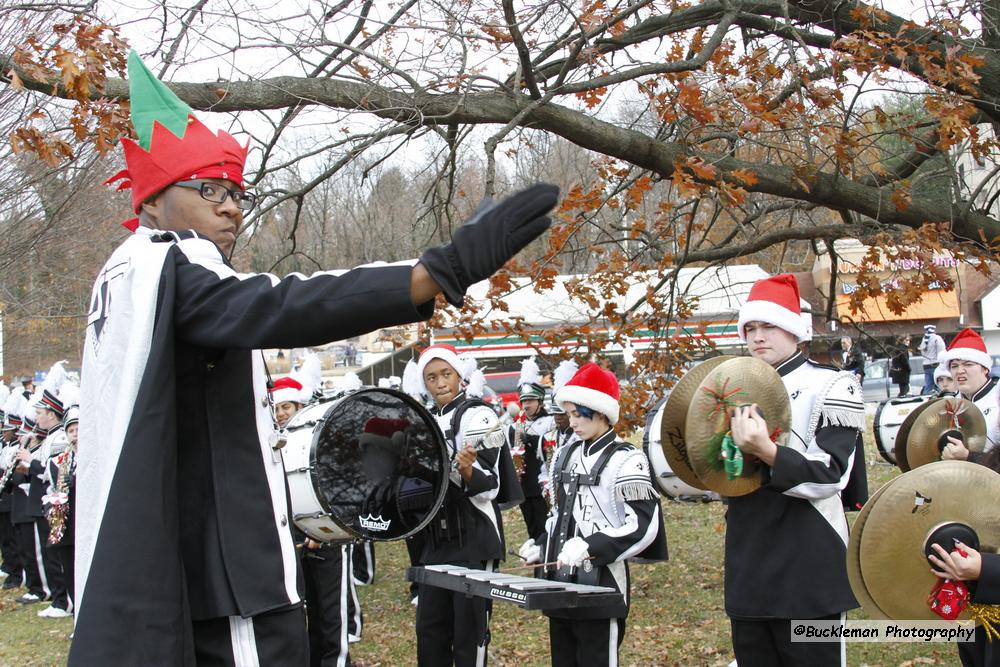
(775, 301)
(286, 390)
(445, 353)
(967, 346)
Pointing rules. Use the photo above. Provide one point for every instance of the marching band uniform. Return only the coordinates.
(526, 436)
(452, 628)
(61, 477)
(363, 563)
(12, 563)
(333, 610)
(970, 346)
(26, 511)
(606, 512)
(786, 543)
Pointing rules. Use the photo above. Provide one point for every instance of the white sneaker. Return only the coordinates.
(54, 612)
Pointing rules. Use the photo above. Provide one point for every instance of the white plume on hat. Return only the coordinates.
(15, 404)
(413, 384)
(55, 378)
(351, 382)
(564, 373)
(475, 381)
(309, 375)
(530, 373)
(69, 395)
(4, 393)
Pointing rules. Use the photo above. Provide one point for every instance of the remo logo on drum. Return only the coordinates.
(375, 523)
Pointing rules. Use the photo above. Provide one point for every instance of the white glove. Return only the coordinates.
(574, 552)
(530, 552)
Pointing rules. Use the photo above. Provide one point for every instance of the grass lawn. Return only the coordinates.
(677, 616)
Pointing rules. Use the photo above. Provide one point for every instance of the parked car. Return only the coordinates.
(504, 386)
(879, 387)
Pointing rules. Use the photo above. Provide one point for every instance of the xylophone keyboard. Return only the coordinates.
(526, 592)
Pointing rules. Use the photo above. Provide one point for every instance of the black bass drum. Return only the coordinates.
(889, 416)
(369, 465)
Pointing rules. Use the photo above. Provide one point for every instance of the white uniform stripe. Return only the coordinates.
(345, 583)
(613, 642)
(41, 562)
(244, 642)
(355, 602)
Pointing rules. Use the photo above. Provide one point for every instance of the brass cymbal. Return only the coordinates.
(674, 415)
(899, 449)
(948, 414)
(740, 381)
(854, 558)
(895, 570)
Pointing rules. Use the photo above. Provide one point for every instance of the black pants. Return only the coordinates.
(31, 559)
(274, 638)
(10, 555)
(452, 628)
(51, 574)
(904, 386)
(332, 610)
(62, 595)
(415, 547)
(363, 557)
(768, 643)
(535, 511)
(981, 653)
(585, 643)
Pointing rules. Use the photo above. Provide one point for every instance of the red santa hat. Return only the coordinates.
(775, 300)
(967, 346)
(444, 352)
(286, 390)
(594, 388)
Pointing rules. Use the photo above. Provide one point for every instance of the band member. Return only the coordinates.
(606, 512)
(452, 628)
(60, 504)
(176, 435)
(944, 382)
(287, 399)
(561, 433)
(12, 570)
(969, 364)
(333, 611)
(363, 563)
(525, 438)
(786, 543)
(964, 563)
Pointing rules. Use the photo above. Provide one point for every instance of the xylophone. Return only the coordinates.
(526, 592)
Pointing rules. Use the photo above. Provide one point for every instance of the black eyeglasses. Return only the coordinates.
(216, 193)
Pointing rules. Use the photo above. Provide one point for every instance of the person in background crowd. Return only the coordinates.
(851, 358)
(943, 381)
(899, 365)
(931, 348)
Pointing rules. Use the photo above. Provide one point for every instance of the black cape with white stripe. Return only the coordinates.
(186, 505)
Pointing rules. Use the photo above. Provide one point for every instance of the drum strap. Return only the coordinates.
(574, 480)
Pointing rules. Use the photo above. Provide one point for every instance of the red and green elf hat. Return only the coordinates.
(173, 145)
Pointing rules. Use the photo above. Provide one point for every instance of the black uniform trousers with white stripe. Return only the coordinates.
(274, 638)
(62, 592)
(452, 628)
(51, 571)
(332, 608)
(768, 643)
(31, 559)
(9, 553)
(363, 557)
(576, 642)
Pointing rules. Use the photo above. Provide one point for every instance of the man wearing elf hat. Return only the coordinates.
(452, 628)
(786, 543)
(606, 512)
(176, 435)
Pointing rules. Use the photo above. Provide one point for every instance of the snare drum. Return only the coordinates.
(664, 478)
(370, 465)
(889, 416)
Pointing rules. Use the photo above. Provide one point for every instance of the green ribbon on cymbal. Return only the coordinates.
(732, 457)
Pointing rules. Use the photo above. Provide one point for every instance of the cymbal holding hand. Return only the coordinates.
(962, 564)
(751, 434)
(955, 450)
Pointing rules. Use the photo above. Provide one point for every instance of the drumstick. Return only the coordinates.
(544, 566)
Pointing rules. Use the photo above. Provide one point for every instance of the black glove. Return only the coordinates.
(495, 233)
